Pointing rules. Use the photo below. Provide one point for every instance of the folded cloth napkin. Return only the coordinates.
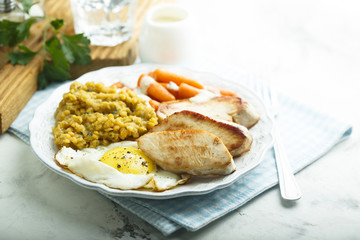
(307, 136)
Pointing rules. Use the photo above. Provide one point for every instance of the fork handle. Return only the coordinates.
(289, 188)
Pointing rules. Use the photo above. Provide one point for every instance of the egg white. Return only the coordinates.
(164, 180)
(85, 163)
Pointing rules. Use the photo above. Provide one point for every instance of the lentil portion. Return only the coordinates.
(91, 114)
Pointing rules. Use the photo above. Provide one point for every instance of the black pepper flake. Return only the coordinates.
(118, 166)
(128, 151)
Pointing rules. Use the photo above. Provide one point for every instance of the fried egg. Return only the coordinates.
(119, 165)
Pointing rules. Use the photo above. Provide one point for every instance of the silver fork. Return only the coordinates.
(289, 188)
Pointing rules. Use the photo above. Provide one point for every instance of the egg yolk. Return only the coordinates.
(128, 160)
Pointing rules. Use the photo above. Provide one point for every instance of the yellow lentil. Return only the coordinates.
(91, 114)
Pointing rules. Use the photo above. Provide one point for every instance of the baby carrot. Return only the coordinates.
(187, 91)
(117, 85)
(139, 80)
(163, 84)
(172, 91)
(159, 93)
(154, 89)
(161, 75)
(154, 104)
(224, 92)
(151, 74)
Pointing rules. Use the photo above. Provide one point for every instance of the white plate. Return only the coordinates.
(42, 140)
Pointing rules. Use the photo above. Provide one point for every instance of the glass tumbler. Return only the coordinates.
(104, 22)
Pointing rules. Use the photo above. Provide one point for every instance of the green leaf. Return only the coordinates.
(76, 48)
(8, 33)
(51, 73)
(23, 29)
(57, 23)
(55, 71)
(27, 4)
(41, 81)
(53, 47)
(22, 56)
(12, 33)
(55, 74)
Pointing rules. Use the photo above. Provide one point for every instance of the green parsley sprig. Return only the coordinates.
(58, 51)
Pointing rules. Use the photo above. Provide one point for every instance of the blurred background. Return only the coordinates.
(296, 43)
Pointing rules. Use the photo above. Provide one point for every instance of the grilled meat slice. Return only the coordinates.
(195, 152)
(236, 138)
(228, 108)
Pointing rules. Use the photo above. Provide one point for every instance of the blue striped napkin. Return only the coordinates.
(307, 136)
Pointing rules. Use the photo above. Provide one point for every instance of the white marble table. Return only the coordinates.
(311, 49)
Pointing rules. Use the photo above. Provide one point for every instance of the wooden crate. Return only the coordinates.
(18, 83)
